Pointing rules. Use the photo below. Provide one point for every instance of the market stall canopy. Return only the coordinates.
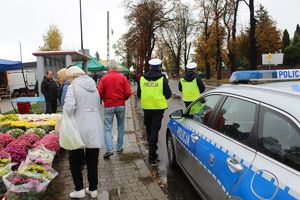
(121, 68)
(6, 65)
(93, 65)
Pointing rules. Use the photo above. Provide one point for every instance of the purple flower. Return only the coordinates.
(50, 141)
(18, 154)
(5, 139)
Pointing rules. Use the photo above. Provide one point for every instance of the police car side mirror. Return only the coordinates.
(178, 114)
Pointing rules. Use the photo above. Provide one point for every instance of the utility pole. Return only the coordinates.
(84, 63)
(21, 59)
(108, 43)
(81, 25)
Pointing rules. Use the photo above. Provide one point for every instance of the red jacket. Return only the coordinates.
(114, 89)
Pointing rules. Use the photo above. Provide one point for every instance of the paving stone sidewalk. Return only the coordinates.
(121, 177)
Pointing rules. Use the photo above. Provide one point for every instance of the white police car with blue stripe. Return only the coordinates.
(241, 141)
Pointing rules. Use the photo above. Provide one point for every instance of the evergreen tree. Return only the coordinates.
(292, 53)
(297, 30)
(296, 38)
(268, 36)
(286, 41)
(97, 55)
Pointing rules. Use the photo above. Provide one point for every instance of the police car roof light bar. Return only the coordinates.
(264, 75)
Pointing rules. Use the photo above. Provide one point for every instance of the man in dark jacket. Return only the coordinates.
(50, 90)
(153, 90)
(191, 85)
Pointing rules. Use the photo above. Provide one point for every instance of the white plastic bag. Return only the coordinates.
(23, 187)
(37, 171)
(40, 153)
(70, 137)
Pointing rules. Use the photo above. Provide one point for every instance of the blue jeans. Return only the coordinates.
(109, 113)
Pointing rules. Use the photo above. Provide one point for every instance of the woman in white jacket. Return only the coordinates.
(83, 102)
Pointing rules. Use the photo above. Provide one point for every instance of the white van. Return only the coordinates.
(15, 79)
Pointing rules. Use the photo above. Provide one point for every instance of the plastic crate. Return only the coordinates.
(23, 107)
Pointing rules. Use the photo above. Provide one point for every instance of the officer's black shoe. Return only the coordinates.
(153, 162)
(107, 155)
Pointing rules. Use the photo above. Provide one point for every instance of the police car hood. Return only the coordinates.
(153, 76)
(190, 76)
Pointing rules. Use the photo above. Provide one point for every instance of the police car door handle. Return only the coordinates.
(234, 165)
(194, 137)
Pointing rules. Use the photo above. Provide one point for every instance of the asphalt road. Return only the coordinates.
(178, 186)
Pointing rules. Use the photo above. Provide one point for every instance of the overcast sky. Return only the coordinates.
(28, 20)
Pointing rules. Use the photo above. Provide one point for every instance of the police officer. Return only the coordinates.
(153, 90)
(191, 84)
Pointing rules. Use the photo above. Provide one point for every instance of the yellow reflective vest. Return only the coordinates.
(152, 95)
(190, 90)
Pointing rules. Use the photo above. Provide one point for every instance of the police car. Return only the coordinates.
(241, 141)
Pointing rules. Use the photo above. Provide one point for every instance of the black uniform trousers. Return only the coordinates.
(51, 106)
(152, 120)
(76, 160)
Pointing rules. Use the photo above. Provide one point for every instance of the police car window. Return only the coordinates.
(280, 139)
(236, 119)
(202, 109)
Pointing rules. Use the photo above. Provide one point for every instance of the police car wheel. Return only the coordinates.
(171, 150)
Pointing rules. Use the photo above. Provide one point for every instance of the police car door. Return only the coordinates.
(226, 152)
(276, 169)
(190, 134)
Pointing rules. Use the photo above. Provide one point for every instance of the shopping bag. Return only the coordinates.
(70, 137)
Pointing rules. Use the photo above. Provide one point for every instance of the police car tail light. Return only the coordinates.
(264, 75)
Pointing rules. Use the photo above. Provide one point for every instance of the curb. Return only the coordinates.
(144, 171)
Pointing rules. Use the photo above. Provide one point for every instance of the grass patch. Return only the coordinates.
(9, 112)
(35, 108)
(130, 157)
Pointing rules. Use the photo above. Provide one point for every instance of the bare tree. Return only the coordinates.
(178, 34)
(189, 29)
(205, 23)
(230, 21)
(252, 36)
(173, 41)
(218, 7)
(145, 18)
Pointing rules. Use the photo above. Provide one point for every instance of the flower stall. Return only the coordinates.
(28, 145)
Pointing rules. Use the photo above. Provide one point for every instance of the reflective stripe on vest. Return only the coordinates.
(190, 90)
(152, 95)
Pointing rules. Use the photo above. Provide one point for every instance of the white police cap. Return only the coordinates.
(191, 65)
(155, 62)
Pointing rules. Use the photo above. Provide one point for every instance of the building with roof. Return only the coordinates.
(55, 60)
